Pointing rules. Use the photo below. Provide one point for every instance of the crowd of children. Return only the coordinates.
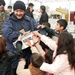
(52, 51)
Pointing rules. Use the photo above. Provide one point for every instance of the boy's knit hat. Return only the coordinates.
(19, 5)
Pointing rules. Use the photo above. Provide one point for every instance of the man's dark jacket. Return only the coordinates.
(43, 18)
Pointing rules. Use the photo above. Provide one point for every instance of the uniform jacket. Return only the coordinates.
(3, 16)
(12, 26)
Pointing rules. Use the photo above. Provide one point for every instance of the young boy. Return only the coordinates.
(60, 27)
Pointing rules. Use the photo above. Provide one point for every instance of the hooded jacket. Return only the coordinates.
(12, 26)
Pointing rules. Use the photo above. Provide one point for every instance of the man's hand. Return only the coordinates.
(22, 31)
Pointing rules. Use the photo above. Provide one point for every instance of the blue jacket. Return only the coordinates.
(12, 26)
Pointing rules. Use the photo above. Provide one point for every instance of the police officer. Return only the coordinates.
(3, 14)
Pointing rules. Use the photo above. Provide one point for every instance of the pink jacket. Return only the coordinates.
(60, 65)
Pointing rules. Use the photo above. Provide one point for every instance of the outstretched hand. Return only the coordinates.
(36, 33)
(35, 38)
(28, 42)
(41, 26)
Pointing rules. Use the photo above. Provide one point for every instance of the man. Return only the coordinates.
(17, 23)
(9, 9)
(30, 10)
(3, 14)
(44, 15)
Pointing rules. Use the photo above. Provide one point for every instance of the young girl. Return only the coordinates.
(64, 54)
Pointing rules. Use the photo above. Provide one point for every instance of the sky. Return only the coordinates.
(52, 5)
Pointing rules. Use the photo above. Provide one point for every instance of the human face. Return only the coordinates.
(1, 7)
(58, 27)
(41, 10)
(19, 13)
(9, 9)
(31, 8)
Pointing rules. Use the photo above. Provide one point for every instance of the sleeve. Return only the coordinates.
(57, 66)
(21, 70)
(49, 42)
(19, 45)
(35, 25)
(8, 31)
(12, 56)
(34, 50)
(39, 48)
(49, 31)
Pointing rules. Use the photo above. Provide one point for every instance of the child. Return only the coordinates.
(60, 27)
(35, 62)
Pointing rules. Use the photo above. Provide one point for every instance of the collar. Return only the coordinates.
(13, 17)
(62, 31)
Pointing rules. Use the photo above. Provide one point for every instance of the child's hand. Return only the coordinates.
(28, 42)
(22, 59)
(36, 33)
(41, 26)
(35, 38)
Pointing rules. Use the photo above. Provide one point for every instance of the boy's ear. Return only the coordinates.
(62, 27)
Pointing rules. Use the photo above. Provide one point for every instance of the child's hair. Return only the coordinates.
(46, 24)
(2, 45)
(49, 56)
(63, 23)
(66, 46)
(9, 6)
(30, 4)
(36, 60)
(43, 45)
